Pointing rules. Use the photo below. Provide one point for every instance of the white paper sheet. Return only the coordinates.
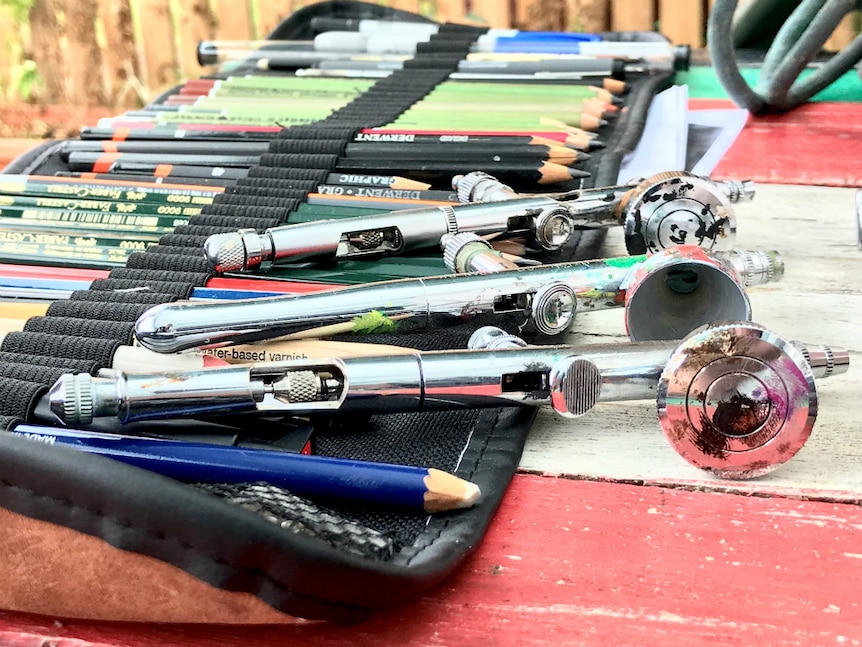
(676, 138)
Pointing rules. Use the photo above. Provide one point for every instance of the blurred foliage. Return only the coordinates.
(22, 80)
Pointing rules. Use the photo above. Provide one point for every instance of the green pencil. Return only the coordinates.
(83, 206)
(131, 192)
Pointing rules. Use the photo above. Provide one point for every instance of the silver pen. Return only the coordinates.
(723, 391)
(666, 210)
(665, 296)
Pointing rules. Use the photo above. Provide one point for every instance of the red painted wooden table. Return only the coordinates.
(608, 537)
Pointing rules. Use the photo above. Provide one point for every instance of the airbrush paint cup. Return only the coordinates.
(669, 290)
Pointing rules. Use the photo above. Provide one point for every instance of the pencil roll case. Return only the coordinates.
(118, 542)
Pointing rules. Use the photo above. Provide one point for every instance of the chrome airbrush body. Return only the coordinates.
(665, 210)
(735, 385)
(673, 208)
(394, 232)
(665, 296)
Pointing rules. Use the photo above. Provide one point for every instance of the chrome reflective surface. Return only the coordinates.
(674, 292)
(644, 286)
(673, 208)
(466, 252)
(737, 400)
(393, 232)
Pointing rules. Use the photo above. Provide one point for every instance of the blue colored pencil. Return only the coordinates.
(383, 484)
(38, 288)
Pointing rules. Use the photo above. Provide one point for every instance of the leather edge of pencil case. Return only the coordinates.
(32, 157)
(145, 513)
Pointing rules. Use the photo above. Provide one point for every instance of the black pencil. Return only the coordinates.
(180, 133)
(202, 175)
(83, 155)
(437, 173)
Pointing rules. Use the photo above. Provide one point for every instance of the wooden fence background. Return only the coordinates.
(120, 53)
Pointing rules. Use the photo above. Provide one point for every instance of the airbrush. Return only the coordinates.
(657, 213)
(665, 296)
(666, 209)
(733, 398)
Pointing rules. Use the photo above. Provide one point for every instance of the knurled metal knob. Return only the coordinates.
(234, 251)
(755, 267)
(453, 245)
(465, 184)
(478, 186)
(298, 386)
(493, 338)
(575, 384)
(825, 361)
(71, 399)
(553, 308)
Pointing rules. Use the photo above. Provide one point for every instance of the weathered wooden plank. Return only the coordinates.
(12, 148)
(683, 21)
(581, 562)
(632, 15)
(450, 10)
(590, 15)
(818, 301)
(493, 13)
(844, 33)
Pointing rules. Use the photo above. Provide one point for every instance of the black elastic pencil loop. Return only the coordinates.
(7, 423)
(231, 223)
(106, 311)
(202, 231)
(314, 174)
(177, 240)
(100, 350)
(18, 398)
(181, 290)
(307, 146)
(145, 275)
(252, 203)
(166, 249)
(276, 188)
(75, 327)
(241, 210)
(137, 297)
(319, 131)
(299, 160)
(27, 372)
(167, 262)
(67, 364)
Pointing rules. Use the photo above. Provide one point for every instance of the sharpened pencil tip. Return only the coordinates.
(472, 494)
(446, 491)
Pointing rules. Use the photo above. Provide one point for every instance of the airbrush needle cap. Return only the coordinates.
(825, 361)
